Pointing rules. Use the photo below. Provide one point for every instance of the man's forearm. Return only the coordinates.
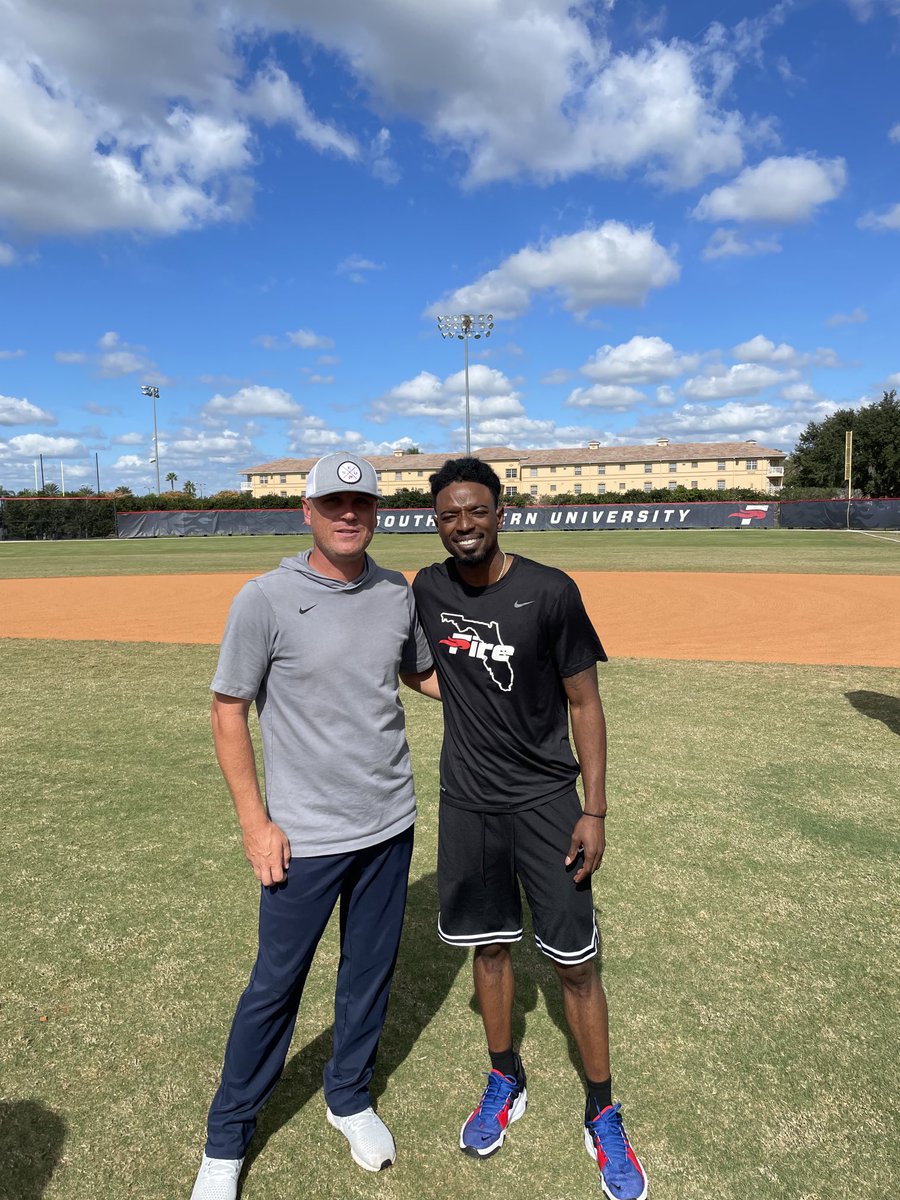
(237, 760)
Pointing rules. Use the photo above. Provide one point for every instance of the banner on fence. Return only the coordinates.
(574, 517)
(840, 514)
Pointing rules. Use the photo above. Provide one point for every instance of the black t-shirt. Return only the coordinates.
(501, 654)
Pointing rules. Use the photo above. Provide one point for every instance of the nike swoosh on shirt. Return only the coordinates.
(522, 603)
(306, 610)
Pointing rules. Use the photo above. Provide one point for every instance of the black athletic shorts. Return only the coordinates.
(482, 857)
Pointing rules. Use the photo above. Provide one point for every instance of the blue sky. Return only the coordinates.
(685, 220)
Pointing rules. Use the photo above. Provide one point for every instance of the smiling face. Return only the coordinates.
(342, 525)
(467, 522)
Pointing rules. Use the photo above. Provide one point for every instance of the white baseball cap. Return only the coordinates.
(341, 472)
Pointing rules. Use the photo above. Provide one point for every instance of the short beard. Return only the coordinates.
(477, 559)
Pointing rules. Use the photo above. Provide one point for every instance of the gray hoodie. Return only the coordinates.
(321, 658)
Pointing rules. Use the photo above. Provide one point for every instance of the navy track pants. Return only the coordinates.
(371, 887)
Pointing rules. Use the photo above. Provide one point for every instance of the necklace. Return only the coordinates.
(502, 569)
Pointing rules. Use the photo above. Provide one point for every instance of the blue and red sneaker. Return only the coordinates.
(504, 1101)
(621, 1175)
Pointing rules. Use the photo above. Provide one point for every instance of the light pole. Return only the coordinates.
(463, 327)
(153, 393)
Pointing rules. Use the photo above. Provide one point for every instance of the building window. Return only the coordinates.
(601, 470)
(673, 484)
(534, 489)
(263, 479)
(751, 464)
(648, 486)
(578, 470)
(601, 488)
(694, 465)
(673, 467)
(553, 470)
(577, 489)
(621, 466)
(533, 471)
(512, 473)
(693, 483)
(282, 493)
(720, 465)
(420, 473)
(511, 491)
(282, 479)
(303, 475)
(552, 487)
(648, 468)
(622, 486)
(720, 484)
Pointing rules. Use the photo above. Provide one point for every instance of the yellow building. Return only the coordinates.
(581, 470)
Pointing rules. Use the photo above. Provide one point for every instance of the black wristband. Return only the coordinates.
(599, 816)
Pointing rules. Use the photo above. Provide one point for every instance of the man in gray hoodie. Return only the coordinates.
(319, 644)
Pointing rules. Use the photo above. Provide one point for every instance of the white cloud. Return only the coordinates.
(611, 396)
(255, 401)
(781, 191)
(761, 350)
(743, 379)
(491, 394)
(894, 133)
(888, 220)
(893, 381)
(556, 376)
(609, 264)
(93, 139)
(355, 267)
(800, 393)
(526, 431)
(130, 462)
(30, 445)
(7, 255)
(307, 340)
(70, 356)
(320, 379)
(768, 424)
(129, 439)
(14, 411)
(382, 163)
(6, 354)
(191, 448)
(857, 317)
(640, 360)
(727, 243)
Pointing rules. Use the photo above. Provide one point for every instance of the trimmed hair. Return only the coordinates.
(465, 470)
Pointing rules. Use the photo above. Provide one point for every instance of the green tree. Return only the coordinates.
(172, 478)
(50, 489)
(189, 488)
(818, 459)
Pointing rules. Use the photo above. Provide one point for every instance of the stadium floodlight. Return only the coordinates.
(148, 389)
(464, 326)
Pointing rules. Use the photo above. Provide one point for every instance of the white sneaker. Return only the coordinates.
(371, 1144)
(217, 1179)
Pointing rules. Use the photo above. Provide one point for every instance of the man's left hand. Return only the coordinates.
(588, 835)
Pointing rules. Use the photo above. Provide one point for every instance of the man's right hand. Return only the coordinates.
(268, 852)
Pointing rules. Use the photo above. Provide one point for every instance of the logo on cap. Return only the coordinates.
(349, 472)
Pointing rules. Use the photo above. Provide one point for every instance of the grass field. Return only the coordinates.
(775, 550)
(749, 903)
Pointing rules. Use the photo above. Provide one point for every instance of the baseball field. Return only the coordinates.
(749, 900)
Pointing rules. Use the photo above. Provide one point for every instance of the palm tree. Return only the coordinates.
(172, 478)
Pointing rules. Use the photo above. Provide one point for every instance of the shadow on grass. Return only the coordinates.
(426, 972)
(31, 1142)
(879, 707)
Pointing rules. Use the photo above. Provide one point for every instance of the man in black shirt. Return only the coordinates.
(516, 654)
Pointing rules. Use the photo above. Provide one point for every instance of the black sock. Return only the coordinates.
(599, 1096)
(507, 1062)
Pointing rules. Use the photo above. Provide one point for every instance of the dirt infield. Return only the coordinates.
(851, 620)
